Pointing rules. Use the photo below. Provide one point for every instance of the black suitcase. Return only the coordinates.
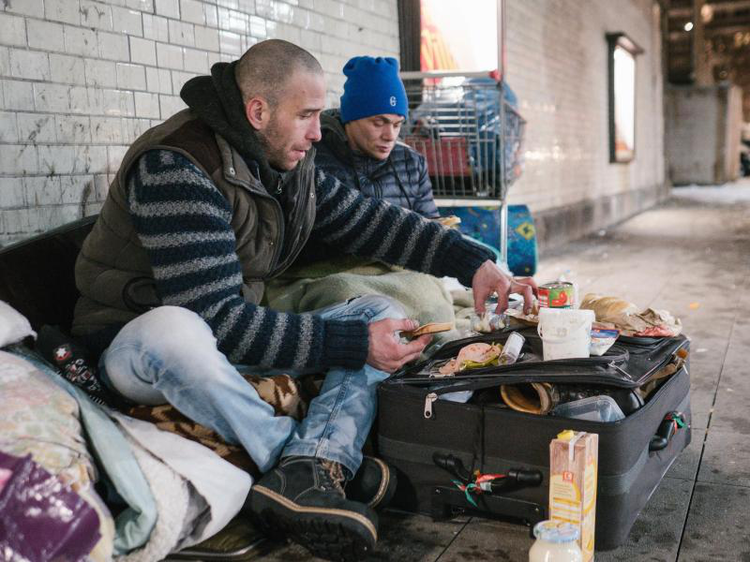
(434, 443)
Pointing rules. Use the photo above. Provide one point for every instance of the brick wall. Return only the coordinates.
(81, 79)
(557, 66)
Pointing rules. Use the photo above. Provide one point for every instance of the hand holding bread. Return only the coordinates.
(430, 328)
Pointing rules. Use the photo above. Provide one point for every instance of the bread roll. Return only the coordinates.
(430, 328)
(608, 309)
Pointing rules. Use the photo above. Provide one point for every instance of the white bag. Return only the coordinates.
(13, 325)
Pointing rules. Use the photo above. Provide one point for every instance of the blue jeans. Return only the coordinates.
(169, 354)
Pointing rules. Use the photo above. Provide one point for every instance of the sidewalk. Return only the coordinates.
(690, 256)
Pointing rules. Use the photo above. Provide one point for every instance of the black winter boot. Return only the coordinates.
(374, 484)
(303, 498)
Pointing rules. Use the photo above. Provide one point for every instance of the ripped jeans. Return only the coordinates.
(169, 354)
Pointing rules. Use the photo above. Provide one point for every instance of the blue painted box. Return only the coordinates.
(483, 224)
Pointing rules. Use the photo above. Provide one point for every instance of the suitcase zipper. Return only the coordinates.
(429, 399)
(616, 367)
(480, 385)
(492, 371)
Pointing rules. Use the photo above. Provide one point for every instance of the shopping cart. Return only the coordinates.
(469, 131)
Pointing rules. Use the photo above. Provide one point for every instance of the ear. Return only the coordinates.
(258, 112)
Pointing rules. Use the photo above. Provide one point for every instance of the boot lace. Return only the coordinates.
(334, 475)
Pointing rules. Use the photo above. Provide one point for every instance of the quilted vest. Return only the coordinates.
(113, 272)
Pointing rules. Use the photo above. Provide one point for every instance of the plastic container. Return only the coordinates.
(594, 408)
(555, 542)
(487, 322)
(565, 332)
(512, 349)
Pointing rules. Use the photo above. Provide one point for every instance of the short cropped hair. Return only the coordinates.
(266, 66)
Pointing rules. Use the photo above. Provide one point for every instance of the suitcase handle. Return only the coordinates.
(667, 429)
(452, 464)
(513, 478)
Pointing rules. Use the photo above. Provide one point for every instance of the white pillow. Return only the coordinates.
(13, 325)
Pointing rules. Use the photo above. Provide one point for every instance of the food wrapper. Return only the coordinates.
(650, 322)
(658, 323)
(518, 317)
(602, 340)
(472, 356)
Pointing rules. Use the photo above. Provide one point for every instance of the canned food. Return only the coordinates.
(559, 294)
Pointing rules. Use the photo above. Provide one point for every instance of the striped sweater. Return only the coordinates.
(183, 222)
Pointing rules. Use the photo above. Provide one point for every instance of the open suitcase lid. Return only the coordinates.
(629, 363)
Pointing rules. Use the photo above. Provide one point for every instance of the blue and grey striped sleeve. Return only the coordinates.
(183, 222)
(373, 228)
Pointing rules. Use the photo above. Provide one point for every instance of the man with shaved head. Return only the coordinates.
(204, 209)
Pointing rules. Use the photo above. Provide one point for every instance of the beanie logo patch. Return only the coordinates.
(393, 101)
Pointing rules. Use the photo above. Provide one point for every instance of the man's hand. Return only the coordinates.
(386, 352)
(490, 279)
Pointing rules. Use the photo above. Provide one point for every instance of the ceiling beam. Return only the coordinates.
(727, 30)
(730, 6)
(733, 6)
(681, 34)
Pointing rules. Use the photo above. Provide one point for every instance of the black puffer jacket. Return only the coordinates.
(401, 179)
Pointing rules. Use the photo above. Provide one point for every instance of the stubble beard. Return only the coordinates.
(267, 140)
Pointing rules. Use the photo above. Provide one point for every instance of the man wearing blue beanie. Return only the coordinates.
(373, 86)
(360, 143)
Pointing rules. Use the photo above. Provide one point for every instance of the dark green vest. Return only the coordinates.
(113, 272)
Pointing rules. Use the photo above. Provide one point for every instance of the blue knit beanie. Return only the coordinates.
(372, 87)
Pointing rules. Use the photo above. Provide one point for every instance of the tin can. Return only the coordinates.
(559, 294)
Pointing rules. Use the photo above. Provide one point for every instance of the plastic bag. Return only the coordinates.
(41, 519)
(594, 408)
(13, 325)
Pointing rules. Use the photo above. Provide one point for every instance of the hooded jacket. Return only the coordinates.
(400, 179)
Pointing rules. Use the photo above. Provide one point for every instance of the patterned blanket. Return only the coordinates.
(288, 396)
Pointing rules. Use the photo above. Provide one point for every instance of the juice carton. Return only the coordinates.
(573, 481)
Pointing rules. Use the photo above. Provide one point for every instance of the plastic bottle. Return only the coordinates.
(556, 541)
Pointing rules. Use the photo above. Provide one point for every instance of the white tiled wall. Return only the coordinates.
(81, 79)
(557, 66)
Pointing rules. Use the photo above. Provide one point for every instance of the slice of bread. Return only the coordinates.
(430, 328)
(449, 221)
